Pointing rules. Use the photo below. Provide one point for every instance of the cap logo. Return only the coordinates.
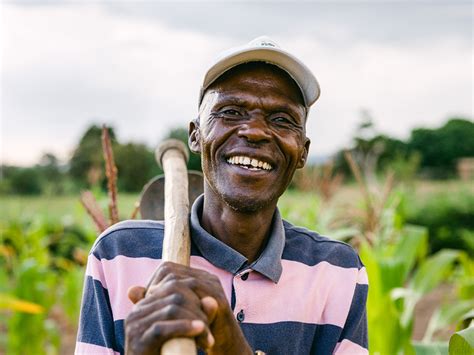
(267, 44)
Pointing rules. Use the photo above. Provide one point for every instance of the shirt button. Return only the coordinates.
(245, 276)
(241, 316)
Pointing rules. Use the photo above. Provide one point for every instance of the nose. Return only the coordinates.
(255, 130)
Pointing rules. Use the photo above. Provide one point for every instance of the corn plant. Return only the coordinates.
(462, 342)
(400, 273)
(40, 269)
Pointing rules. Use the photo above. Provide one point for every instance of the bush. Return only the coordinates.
(449, 218)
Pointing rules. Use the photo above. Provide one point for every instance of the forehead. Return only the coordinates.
(266, 76)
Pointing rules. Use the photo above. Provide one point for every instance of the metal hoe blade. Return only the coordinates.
(152, 198)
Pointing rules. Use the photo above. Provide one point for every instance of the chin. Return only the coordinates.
(247, 204)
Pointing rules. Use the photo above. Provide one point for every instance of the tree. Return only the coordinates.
(24, 181)
(87, 162)
(136, 165)
(440, 148)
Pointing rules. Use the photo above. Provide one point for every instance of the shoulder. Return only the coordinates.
(135, 238)
(311, 248)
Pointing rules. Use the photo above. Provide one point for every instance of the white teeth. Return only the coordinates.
(247, 161)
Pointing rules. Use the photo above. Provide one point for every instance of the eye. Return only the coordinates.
(282, 120)
(231, 112)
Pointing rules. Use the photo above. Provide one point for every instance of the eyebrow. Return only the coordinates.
(229, 99)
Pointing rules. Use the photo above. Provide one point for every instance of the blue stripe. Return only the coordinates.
(131, 242)
(310, 248)
(95, 324)
(120, 335)
(355, 329)
(285, 337)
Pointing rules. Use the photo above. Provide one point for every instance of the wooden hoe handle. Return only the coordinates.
(172, 155)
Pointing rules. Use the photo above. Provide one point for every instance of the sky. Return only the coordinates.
(138, 66)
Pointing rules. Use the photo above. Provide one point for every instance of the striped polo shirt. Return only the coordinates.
(305, 294)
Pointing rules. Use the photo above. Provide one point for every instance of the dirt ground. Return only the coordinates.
(425, 308)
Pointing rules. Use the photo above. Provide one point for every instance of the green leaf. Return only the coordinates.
(434, 270)
(462, 342)
(446, 315)
(431, 348)
(410, 245)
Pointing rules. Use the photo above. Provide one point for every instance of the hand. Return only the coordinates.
(182, 302)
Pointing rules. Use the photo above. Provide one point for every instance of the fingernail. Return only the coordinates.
(198, 325)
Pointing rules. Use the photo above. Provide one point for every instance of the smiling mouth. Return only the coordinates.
(249, 163)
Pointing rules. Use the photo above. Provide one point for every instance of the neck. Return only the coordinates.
(246, 233)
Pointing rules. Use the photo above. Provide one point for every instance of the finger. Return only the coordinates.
(210, 307)
(136, 293)
(178, 270)
(164, 310)
(173, 312)
(160, 332)
(176, 292)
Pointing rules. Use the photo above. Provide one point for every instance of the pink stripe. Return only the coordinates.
(319, 294)
(121, 273)
(89, 349)
(363, 279)
(225, 277)
(94, 269)
(349, 348)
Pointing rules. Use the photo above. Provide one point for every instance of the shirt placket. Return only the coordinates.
(242, 300)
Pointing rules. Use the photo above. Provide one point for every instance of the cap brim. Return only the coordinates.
(300, 73)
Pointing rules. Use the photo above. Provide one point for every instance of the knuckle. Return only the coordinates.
(177, 299)
(171, 310)
(170, 277)
(192, 283)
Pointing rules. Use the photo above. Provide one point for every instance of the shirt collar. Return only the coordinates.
(224, 257)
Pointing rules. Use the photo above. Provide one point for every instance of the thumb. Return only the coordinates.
(136, 293)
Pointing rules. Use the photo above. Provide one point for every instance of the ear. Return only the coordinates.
(194, 140)
(304, 154)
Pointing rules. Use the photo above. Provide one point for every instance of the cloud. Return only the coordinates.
(66, 66)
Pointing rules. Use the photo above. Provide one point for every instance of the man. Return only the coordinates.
(257, 282)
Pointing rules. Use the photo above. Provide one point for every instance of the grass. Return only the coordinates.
(297, 207)
(64, 208)
(301, 208)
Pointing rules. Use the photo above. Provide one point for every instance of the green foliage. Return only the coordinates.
(33, 282)
(87, 157)
(22, 181)
(440, 148)
(449, 217)
(39, 265)
(136, 165)
(446, 315)
(437, 348)
(462, 342)
(434, 151)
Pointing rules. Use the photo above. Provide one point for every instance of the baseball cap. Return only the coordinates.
(263, 49)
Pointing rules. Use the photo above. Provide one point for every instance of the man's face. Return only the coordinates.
(251, 136)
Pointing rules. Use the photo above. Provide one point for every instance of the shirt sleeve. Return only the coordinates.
(96, 333)
(354, 338)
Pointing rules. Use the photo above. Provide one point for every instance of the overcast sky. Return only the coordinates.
(138, 65)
